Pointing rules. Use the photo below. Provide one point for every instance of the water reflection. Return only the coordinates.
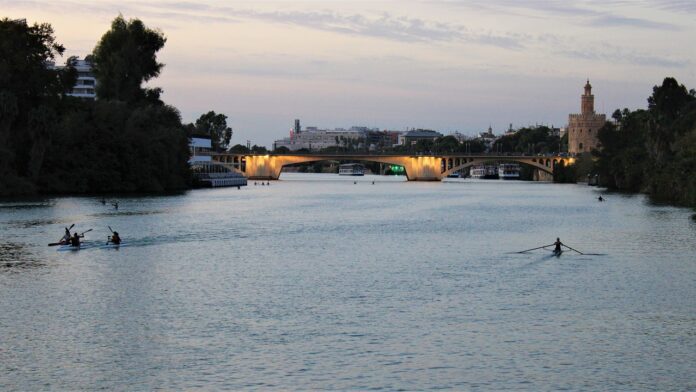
(16, 256)
(312, 284)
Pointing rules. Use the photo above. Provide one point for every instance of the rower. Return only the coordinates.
(115, 204)
(75, 240)
(115, 238)
(558, 244)
(600, 198)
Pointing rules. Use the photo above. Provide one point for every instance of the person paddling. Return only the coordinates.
(557, 249)
(600, 198)
(75, 240)
(115, 238)
(66, 237)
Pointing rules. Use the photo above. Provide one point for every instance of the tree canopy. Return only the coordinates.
(652, 150)
(30, 92)
(54, 143)
(124, 58)
(215, 126)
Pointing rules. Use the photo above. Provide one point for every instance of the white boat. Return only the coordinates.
(351, 169)
(486, 172)
(509, 171)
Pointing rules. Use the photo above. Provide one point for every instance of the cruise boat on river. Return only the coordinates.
(486, 172)
(509, 171)
(351, 169)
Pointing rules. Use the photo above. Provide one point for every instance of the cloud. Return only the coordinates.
(592, 13)
(613, 54)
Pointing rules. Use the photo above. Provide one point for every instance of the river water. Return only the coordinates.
(315, 282)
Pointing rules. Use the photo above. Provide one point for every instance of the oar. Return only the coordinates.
(572, 249)
(545, 246)
(83, 233)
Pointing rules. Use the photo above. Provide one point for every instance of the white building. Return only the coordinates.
(313, 139)
(86, 82)
(200, 149)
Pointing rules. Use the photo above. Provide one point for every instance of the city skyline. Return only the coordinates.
(449, 66)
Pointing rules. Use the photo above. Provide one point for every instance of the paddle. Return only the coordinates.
(572, 249)
(545, 246)
(108, 239)
(60, 242)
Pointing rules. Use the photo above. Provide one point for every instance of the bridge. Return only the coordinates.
(418, 167)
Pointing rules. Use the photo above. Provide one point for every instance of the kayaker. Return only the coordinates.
(66, 237)
(115, 204)
(558, 244)
(75, 240)
(600, 198)
(115, 239)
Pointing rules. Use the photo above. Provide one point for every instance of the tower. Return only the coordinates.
(587, 100)
(583, 127)
(297, 128)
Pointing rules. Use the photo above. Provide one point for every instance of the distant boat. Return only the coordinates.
(509, 171)
(351, 169)
(486, 172)
(454, 175)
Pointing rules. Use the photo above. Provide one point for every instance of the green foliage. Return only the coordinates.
(239, 149)
(58, 144)
(30, 92)
(653, 150)
(530, 140)
(281, 150)
(124, 58)
(215, 126)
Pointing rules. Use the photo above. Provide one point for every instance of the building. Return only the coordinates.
(488, 138)
(200, 149)
(412, 137)
(582, 128)
(315, 139)
(86, 84)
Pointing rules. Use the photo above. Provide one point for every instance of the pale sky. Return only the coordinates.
(444, 65)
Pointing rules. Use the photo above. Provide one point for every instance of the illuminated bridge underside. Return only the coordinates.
(418, 168)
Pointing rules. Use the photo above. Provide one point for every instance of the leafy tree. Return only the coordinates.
(124, 58)
(447, 143)
(30, 94)
(281, 150)
(258, 149)
(215, 126)
(239, 149)
(666, 105)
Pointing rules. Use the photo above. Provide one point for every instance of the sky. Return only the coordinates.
(443, 65)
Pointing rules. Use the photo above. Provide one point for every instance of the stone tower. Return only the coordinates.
(583, 127)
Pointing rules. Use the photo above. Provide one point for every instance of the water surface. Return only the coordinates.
(315, 282)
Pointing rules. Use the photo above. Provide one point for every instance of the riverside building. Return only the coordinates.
(582, 128)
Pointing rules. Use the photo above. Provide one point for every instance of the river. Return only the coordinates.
(317, 282)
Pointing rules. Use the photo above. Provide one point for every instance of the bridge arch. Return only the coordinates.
(540, 164)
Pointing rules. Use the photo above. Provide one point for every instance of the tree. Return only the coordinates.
(239, 149)
(30, 93)
(666, 105)
(124, 58)
(215, 126)
(281, 150)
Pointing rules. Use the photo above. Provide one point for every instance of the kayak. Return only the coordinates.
(89, 245)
